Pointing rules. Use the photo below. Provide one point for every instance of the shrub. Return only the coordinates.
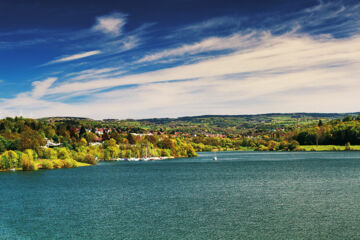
(347, 146)
(74, 164)
(78, 156)
(63, 153)
(47, 164)
(299, 149)
(262, 148)
(58, 163)
(33, 167)
(90, 159)
(70, 163)
(49, 153)
(32, 154)
(67, 163)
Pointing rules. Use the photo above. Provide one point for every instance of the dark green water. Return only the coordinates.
(241, 196)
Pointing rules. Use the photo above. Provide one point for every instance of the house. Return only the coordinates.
(142, 134)
(95, 143)
(51, 144)
(99, 131)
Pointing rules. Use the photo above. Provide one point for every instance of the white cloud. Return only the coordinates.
(75, 57)
(264, 72)
(90, 74)
(288, 73)
(282, 54)
(40, 87)
(235, 41)
(110, 24)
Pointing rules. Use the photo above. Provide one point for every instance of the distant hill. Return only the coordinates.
(58, 119)
(197, 118)
(222, 124)
(251, 116)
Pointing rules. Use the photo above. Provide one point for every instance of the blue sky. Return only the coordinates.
(143, 59)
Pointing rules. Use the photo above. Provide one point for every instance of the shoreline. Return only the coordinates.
(80, 164)
(304, 148)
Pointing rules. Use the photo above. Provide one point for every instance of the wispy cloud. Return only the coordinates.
(74, 57)
(209, 44)
(40, 87)
(218, 22)
(275, 53)
(110, 24)
(335, 18)
(22, 43)
(91, 74)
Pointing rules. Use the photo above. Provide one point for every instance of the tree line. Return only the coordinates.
(79, 143)
(23, 141)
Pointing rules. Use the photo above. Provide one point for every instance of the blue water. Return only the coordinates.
(244, 195)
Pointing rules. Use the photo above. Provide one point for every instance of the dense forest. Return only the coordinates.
(49, 143)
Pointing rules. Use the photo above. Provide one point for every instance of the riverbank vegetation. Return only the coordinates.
(30, 144)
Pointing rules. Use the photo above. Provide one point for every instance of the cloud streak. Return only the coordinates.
(235, 41)
(74, 57)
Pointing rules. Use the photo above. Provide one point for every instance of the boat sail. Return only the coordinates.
(215, 157)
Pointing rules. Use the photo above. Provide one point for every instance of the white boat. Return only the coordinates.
(12, 169)
(215, 157)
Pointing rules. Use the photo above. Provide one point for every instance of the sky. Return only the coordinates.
(151, 58)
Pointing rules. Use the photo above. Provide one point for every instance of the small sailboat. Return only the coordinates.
(215, 157)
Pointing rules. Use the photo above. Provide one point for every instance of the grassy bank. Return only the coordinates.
(302, 147)
(329, 148)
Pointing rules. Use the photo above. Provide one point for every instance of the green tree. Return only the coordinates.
(348, 118)
(26, 162)
(320, 123)
(83, 142)
(9, 159)
(131, 139)
(30, 139)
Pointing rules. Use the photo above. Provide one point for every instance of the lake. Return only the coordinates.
(243, 195)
